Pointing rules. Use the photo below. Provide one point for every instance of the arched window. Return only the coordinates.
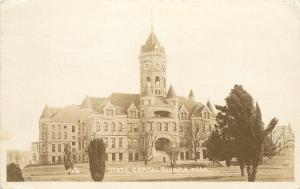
(157, 81)
(113, 127)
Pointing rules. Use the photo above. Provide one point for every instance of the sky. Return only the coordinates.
(56, 52)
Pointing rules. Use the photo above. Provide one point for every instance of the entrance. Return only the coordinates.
(162, 144)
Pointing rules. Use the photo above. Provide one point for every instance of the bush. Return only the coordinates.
(96, 151)
(14, 173)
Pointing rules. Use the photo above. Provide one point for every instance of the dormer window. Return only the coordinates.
(109, 112)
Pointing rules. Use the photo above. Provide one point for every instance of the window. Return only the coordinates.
(65, 127)
(59, 127)
(53, 127)
(44, 148)
(113, 127)
(43, 136)
(73, 150)
(109, 113)
(105, 126)
(166, 127)
(157, 81)
(120, 156)
(129, 127)
(142, 113)
(73, 143)
(59, 147)
(197, 129)
(59, 159)
(73, 129)
(135, 144)
(174, 127)
(181, 128)
(53, 135)
(59, 135)
(130, 143)
(33, 157)
(181, 155)
(106, 142)
(97, 126)
(159, 126)
(53, 159)
(113, 142)
(130, 157)
(120, 142)
(120, 127)
(53, 147)
(136, 129)
(79, 144)
(65, 135)
(106, 157)
(187, 155)
(113, 156)
(136, 156)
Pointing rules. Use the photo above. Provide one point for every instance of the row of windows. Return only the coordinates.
(204, 115)
(58, 136)
(59, 147)
(112, 127)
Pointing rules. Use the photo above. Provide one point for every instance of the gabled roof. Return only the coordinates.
(151, 44)
(86, 103)
(210, 106)
(171, 93)
(48, 113)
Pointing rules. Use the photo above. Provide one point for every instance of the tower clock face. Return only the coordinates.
(147, 66)
(157, 66)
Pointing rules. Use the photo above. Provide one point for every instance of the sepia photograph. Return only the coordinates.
(199, 92)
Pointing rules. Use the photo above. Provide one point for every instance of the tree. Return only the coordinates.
(213, 146)
(68, 160)
(97, 155)
(173, 155)
(195, 138)
(147, 141)
(13, 173)
(242, 122)
(272, 146)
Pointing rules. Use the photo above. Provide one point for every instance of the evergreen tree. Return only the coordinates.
(97, 155)
(13, 173)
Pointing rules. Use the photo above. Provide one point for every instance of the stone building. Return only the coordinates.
(123, 120)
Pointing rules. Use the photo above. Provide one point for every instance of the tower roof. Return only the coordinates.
(171, 92)
(152, 44)
(86, 103)
(191, 93)
(147, 91)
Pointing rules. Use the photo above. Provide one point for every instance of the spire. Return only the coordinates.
(171, 92)
(86, 103)
(151, 17)
(147, 91)
(191, 95)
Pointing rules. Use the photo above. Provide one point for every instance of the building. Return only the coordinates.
(284, 138)
(123, 120)
(34, 153)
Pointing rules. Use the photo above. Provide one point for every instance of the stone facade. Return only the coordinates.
(122, 119)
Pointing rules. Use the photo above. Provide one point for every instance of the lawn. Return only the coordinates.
(277, 169)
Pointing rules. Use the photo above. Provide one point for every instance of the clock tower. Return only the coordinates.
(153, 66)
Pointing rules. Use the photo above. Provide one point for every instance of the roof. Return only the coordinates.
(210, 106)
(191, 93)
(49, 112)
(171, 93)
(189, 104)
(69, 114)
(152, 44)
(86, 103)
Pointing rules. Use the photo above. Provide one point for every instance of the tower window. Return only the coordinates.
(148, 79)
(157, 81)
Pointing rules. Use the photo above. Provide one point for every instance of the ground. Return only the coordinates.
(279, 168)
